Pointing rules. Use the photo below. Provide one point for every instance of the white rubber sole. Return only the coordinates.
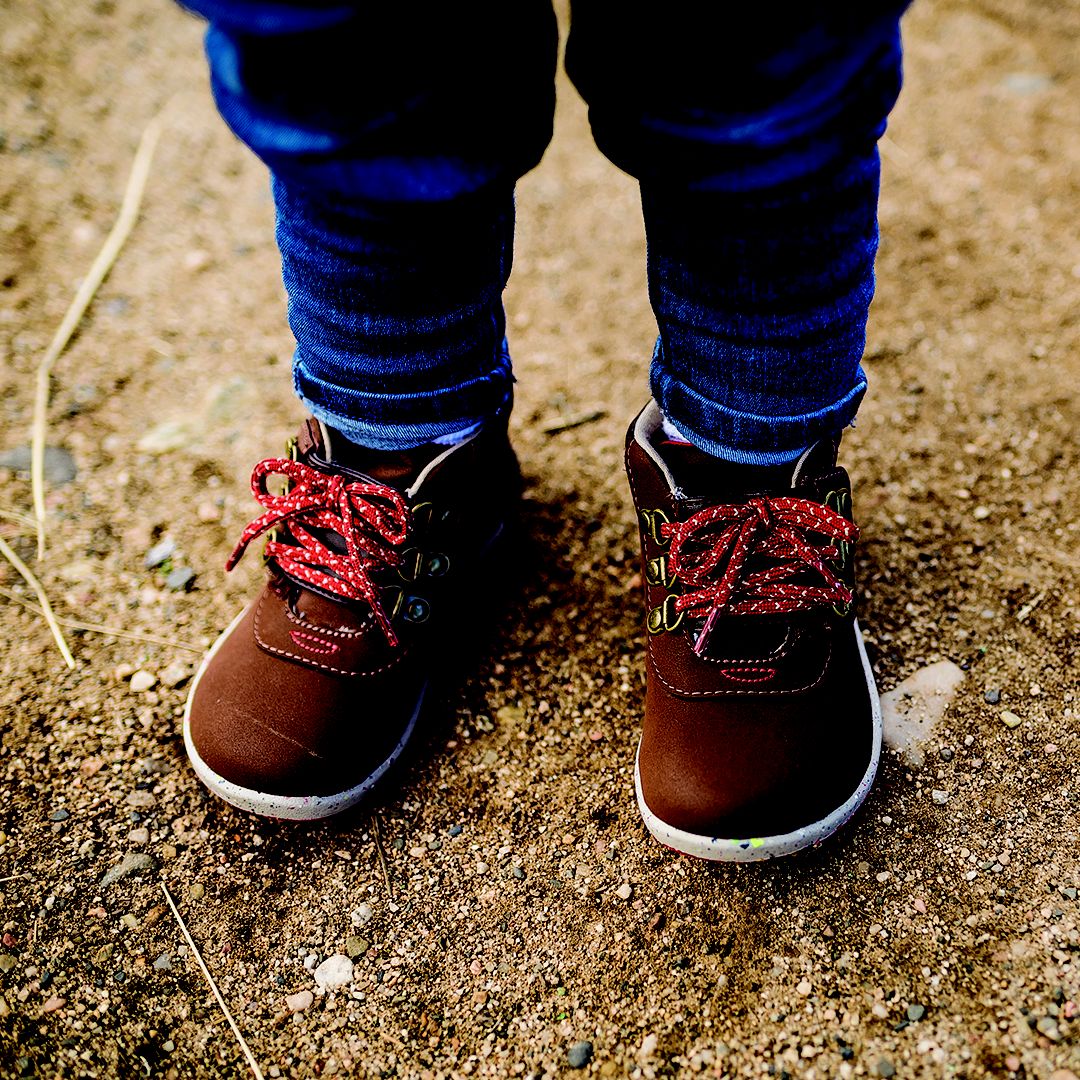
(754, 849)
(288, 807)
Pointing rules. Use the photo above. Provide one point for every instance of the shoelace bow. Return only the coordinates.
(373, 520)
(710, 550)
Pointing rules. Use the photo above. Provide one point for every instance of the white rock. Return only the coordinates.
(911, 711)
(142, 681)
(362, 915)
(624, 891)
(299, 1002)
(648, 1046)
(334, 971)
(174, 675)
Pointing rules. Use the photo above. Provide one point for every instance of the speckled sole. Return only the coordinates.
(288, 807)
(756, 848)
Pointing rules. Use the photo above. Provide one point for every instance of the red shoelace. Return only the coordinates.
(373, 520)
(710, 551)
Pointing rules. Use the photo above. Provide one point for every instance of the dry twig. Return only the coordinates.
(213, 985)
(43, 600)
(114, 242)
(575, 421)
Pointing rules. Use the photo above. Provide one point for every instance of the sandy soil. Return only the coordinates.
(928, 940)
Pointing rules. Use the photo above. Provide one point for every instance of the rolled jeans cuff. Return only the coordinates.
(411, 419)
(747, 438)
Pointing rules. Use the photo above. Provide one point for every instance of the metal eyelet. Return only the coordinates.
(656, 571)
(417, 609)
(436, 564)
(412, 562)
(422, 514)
(394, 599)
(651, 520)
(664, 617)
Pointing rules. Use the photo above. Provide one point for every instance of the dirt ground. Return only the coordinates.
(938, 935)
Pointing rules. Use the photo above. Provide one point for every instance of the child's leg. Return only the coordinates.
(395, 135)
(754, 142)
(394, 138)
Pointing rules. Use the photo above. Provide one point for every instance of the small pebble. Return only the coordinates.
(180, 579)
(648, 1046)
(196, 260)
(139, 836)
(580, 1055)
(59, 464)
(947, 754)
(135, 862)
(518, 873)
(916, 1012)
(885, 1068)
(175, 675)
(992, 697)
(624, 891)
(196, 891)
(6, 962)
(455, 830)
(1047, 1026)
(804, 987)
(940, 797)
(1010, 719)
(299, 1002)
(163, 962)
(53, 1004)
(356, 946)
(58, 815)
(142, 681)
(362, 915)
(334, 971)
(161, 551)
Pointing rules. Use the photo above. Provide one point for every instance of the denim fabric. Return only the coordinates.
(395, 139)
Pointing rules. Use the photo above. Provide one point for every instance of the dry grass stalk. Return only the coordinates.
(114, 242)
(213, 985)
(43, 600)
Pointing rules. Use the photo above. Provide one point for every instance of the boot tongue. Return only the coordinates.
(395, 468)
(704, 480)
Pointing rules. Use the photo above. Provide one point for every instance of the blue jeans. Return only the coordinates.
(395, 135)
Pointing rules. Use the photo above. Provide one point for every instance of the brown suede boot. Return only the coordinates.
(762, 728)
(306, 701)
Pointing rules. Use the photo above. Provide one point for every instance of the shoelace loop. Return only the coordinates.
(710, 550)
(373, 520)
